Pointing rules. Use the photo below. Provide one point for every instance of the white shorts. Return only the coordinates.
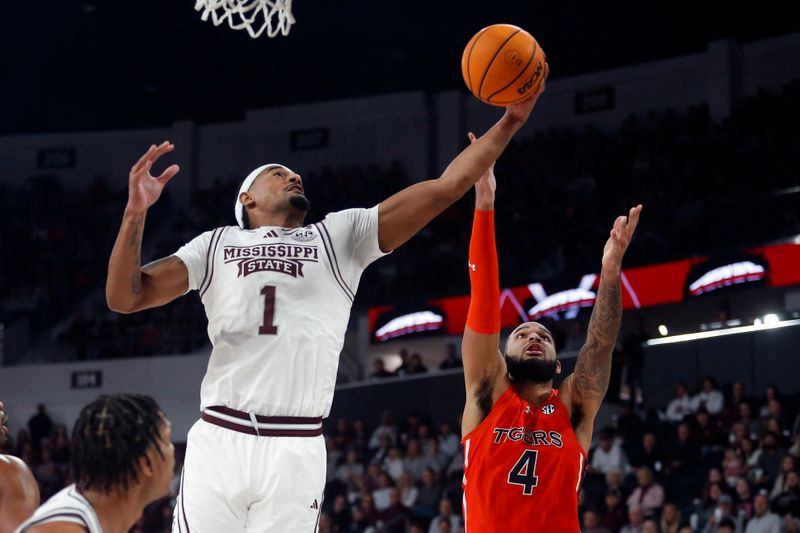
(234, 482)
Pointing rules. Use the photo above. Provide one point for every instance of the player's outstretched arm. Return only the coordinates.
(587, 386)
(405, 213)
(483, 364)
(129, 286)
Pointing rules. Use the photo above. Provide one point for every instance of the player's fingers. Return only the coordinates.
(168, 173)
(142, 160)
(162, 149)
(633, 219)
(471, 137)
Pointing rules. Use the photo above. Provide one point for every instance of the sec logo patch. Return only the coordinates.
(549, 409)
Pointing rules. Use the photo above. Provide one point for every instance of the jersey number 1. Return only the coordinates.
(268, 326)
(524, 472)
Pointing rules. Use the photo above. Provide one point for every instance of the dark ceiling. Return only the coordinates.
(92, 64)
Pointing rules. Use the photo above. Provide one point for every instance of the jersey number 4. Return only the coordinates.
(524, 472)
(268, 326)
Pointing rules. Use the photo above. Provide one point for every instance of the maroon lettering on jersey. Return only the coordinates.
(283, 258)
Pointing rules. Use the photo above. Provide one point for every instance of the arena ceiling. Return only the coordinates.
(104, 64)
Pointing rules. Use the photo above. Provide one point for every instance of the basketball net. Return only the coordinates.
(255, 16)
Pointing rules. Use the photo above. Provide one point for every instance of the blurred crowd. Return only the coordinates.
(558, 193)
(710, 461)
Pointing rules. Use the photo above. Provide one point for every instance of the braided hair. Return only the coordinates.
(110, 436)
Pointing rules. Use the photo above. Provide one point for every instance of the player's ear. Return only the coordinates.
(246, 199)
(145, 468)
(558, 366)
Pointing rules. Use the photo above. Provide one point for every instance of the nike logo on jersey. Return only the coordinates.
(531, 438)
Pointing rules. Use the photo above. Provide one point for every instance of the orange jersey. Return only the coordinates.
(523, 468)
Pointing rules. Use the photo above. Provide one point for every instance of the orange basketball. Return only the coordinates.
(502, 64)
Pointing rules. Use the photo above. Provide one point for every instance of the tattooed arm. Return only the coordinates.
(129, 286)
(585, 389)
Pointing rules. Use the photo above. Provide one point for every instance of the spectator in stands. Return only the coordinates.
(750, 454)
(746, 417)
(647, 453)
(680, 406)
(393, 463)
(788, 500)
(770, 394)
(442, 526)
(408, 491)
(769, 461)
(648, 495)
(429, 492)
(650, 526)
(379, 369)
(48, 474)
(670, 518)
(711, 495)
(434, 457)
(726, 525)
(41, 426)
(685, 454)
(615, 481)
(445, 513)
(629, 424)
(405, 364)
(615, 515)
(414, 462)
(448, 441)
(396, 513)
(380, 454)
(744, 499)
(451, 359)
(61, 448)
(709, 397)
(731, 409)
(340, 514)
(709, 432)
(781, 480)
(385, 427)
(733, 466)
(591, 523)
(415, 364)
(608, 454)
(723, 511)
(381, 493)
(367, 507)
(635, 520)
(351, 470)
(763, 521)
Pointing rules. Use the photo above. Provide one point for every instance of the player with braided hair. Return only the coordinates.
(122, 460)
(19, 493)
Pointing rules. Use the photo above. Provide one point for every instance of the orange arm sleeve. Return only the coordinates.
(484, 304)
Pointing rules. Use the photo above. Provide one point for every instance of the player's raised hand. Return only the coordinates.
(618, 241)
(485, 186)
(144, 188)
(522, 110)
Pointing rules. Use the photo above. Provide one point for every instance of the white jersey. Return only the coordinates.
(278, 301)
(67, 505)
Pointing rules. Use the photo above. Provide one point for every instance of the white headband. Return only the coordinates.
(238, 207)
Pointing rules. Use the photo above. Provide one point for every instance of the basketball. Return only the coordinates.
(502, 64)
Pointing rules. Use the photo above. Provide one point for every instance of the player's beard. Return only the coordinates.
(300, 202)
(532, 369)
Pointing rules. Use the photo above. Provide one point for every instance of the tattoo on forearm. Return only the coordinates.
(593, 368)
